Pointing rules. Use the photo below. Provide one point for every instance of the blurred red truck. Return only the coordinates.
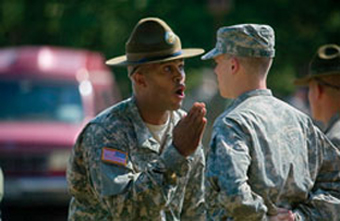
(47, 94)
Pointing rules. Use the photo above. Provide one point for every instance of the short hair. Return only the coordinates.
(259, 65)
(140, 68)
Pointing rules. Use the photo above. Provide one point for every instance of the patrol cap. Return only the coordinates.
(244, 40)
(152, 41)
(325, 62)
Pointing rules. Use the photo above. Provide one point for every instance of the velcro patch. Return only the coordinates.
(110, 155)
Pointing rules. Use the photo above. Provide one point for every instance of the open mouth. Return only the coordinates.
(180, 91)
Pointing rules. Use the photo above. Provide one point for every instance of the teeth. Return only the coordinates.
(180, 92)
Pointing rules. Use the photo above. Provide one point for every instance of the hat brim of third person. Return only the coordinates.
(185, 53)
(302, 81)
(305, 80)
(211, 54)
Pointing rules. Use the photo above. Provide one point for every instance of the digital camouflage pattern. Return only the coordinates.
(265, 154)
(151, 186)
(333, 130)
(244, 40)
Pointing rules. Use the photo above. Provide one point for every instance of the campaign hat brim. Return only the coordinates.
(305, 80)
(184, 53)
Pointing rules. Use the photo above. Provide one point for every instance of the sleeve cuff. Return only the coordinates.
(175, 161)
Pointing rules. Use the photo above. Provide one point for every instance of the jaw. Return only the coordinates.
(177, 106)
(173, 104)
(223, 91)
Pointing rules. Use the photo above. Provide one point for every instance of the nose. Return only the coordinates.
(179, 76)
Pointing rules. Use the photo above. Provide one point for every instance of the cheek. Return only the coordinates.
(218, 71)
(161, 88)
(310, 95)
(310, 99)
(221, 76)
(312, 102)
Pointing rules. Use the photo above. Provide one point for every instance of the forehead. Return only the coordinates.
(174, 62)
(219, 57)
(156, 66)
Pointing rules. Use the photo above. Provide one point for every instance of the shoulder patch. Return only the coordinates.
(110, 155)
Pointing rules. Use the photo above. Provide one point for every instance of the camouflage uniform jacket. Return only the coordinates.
(146, 185)
(333, 130)
(265, 154)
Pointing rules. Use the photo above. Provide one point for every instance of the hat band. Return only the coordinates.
(144, 60)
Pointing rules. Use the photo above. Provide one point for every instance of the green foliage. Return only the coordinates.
(104, 25)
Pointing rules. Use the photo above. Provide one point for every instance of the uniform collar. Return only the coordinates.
(252, 93)
(335, 118)
(143, 135)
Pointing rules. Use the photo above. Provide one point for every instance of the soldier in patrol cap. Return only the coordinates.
(323, 82)
(267, 161)
(141, 159)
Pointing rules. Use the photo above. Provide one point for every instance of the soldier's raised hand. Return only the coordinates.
(189, 131)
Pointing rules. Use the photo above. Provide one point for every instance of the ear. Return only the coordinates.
(235, 65)
(139, 79)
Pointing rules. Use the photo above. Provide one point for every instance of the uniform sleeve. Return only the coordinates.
(194, 205)
(228, 161)
(324, 200)
(125, 192)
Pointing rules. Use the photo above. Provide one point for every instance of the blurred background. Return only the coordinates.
(104, 26)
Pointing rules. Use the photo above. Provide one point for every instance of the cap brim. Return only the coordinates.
(186, 53)
(211, 54)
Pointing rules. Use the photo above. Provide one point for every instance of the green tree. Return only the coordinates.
(104, 25)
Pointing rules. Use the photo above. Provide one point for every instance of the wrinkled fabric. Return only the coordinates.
(152, 185)
(265, 154)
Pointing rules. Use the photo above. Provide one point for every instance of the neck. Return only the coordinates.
(151, 115)
(250, 82)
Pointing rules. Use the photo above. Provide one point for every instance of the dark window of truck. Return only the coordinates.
(28, 100)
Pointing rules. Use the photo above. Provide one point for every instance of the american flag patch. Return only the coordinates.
(114, 156)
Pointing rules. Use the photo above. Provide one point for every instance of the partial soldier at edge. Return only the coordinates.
(323, 82)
